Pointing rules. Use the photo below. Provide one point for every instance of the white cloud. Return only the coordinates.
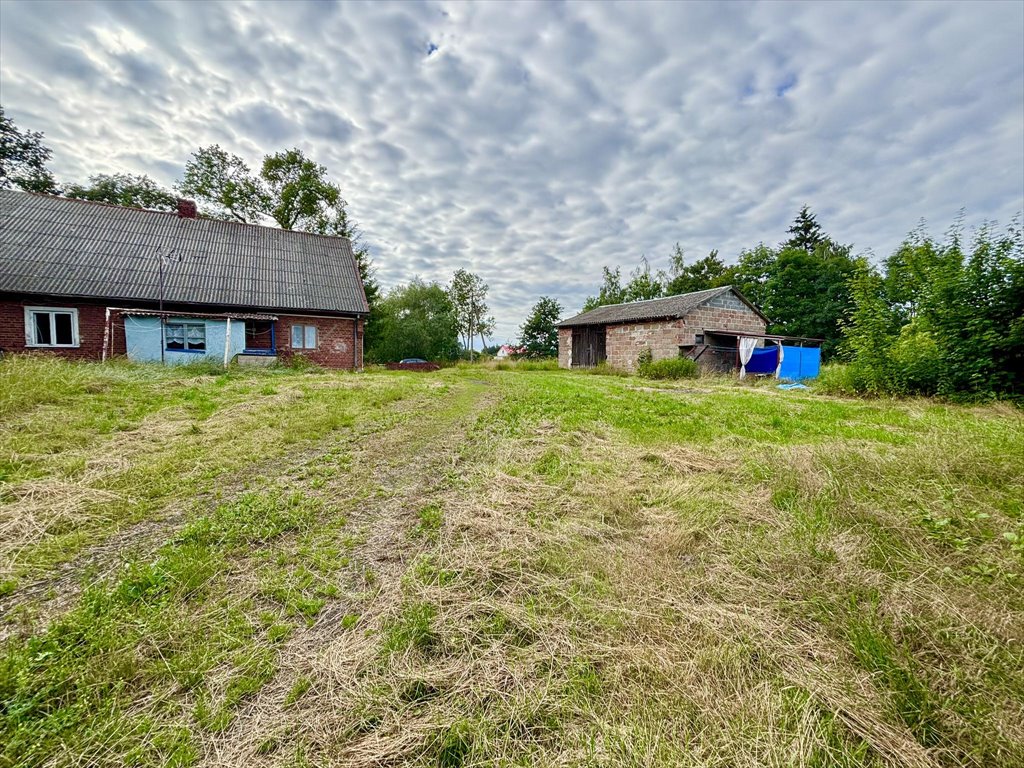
(536, 143)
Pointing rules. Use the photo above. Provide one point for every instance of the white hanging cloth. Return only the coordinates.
(779, 366)
(747, 346)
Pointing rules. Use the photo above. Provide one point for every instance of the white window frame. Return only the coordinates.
(185, 325)
(30, 327)
(306, 328)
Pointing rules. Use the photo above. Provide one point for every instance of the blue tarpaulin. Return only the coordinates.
(800, 363)
(764, 360)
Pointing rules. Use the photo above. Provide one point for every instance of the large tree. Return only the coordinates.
(291, 189)
(468, 295)
(124, 189)
(23, 159)
(809, 294)
(699, 276)
(538, 334)
(223, 185)
(415, 320)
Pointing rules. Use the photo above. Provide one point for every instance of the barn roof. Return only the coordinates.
(56, 246)
(653, 309)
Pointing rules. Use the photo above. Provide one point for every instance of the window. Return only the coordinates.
(185, 337)
(51, 327)
(698, 338)
(303, 337)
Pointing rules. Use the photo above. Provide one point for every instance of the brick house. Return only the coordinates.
(91, 281)
(705, 325)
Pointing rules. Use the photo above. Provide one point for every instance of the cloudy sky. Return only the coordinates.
(533, 143)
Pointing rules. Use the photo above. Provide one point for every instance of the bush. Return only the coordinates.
(839, 379)
(527, 364)
(670, 368)
(916, 362)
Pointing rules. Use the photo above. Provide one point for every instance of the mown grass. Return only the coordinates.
(586, 570)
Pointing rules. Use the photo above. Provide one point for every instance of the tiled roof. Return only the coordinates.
(652, 309)
(55, 246)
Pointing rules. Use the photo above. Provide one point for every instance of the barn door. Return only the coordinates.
(588, 347)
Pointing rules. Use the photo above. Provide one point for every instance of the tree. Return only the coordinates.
(124, 189)
(415, 320)
(23, 159)
(538, 334)
(702, 274)
(468, 295)
(751, 273)
(298, 195)
(610, 291)
(808, 293)
(642, 284)
(223, 185)
(805, 232)
(291, 189)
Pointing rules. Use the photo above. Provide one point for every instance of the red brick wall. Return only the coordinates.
(334, 348)
(91, 318)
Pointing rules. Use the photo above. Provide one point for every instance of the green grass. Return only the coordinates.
(487, 568)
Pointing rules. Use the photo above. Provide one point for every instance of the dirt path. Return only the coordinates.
(34, 603)
(408, 466)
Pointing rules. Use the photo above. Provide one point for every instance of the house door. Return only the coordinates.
(588, 346)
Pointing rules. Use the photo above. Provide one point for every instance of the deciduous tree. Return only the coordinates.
(23, 159)
(124, 189)
(415, 320)
(468, 295)
(538, 334)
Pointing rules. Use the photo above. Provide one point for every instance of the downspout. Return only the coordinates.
(106, 336)
(355, 335)
(227, 342)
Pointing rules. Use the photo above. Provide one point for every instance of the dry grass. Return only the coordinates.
(552, 570)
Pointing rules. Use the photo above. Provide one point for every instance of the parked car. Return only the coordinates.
(412, 360)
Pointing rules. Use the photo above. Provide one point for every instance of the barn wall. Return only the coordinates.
(564, 347)
(626, 341)
(724, 313)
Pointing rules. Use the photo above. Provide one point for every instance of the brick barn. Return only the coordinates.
(92, 281)
(705, 326)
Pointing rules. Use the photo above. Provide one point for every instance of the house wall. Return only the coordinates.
(565, 347)
(334, 340)
(143, 339)
(90, 327)
(139, 336)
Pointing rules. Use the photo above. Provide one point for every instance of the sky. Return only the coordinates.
(535, 143)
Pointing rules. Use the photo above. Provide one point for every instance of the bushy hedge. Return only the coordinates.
(671, 368)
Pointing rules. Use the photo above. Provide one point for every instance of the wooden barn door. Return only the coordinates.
(588, 346)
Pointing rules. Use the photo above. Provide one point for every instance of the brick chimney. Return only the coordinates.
(186, 209)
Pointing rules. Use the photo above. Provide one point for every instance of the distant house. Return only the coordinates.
(507, 350)
(705, 325)
(92, 281)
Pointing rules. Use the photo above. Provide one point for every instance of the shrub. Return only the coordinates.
(839, 379)
(670, 368)
(916, 361)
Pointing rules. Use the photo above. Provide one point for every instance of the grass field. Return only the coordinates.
(502, 567)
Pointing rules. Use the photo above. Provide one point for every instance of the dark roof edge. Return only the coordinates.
(175, 303)
(101, 204)
(718, 291)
